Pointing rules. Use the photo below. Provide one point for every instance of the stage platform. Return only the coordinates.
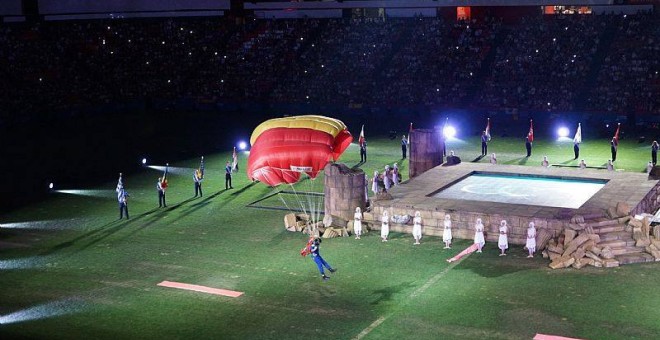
(420, 193)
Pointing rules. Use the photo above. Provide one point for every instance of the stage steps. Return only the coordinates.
(613, 234)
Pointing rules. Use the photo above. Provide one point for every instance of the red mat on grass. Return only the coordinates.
(203, 289)
(551, 337)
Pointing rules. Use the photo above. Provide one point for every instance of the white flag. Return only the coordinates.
(578, 134)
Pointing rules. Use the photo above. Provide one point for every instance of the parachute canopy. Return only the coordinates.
(283, 148)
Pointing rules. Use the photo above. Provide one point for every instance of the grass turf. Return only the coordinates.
(80, 273)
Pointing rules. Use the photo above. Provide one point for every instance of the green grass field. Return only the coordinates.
(81, 273)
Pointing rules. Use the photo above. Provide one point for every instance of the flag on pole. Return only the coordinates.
(616, 134)
(234, 162)
(200, 171)
(530, 134)
(578, 134)
(163, 182)
(488, 129)
(361, 138)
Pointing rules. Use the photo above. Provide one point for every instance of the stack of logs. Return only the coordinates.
(579, 246)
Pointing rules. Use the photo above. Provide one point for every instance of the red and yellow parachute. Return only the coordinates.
(283, 148)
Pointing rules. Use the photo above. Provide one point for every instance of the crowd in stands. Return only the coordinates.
(628, 80)
(542, 63)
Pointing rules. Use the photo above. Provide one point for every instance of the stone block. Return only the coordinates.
(656, 232)
(569, 235)
(610, 263)
(606, 253)
(642, 243)
(592, 256)
(562, 262)
(579, 253)
(624, 219)
(622, 209)
(612, 213)
(635, 223)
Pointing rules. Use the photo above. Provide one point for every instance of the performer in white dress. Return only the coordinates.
(395, 174)
(357, 223)
(503, 240)
(417, 227)
(387, 178)
(545, 162)
(374, 183)
(479, 235)
(446, 234)
(531, 240)
(385, 226)
(493, 159)
(582, 164)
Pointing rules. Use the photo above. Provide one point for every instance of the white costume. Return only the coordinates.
(446, 234)
(366, 187)
(395, 174)
(357, 223)
(417, 227)
(649, 167)
(385, 226)
(387, 179)
(503, 240)
(479, 233)
(545, 162)
(531, 238)
(582, 164)
(493, 159)
(374, 183)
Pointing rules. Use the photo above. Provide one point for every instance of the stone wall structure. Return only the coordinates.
(344, 190)
(425, 151)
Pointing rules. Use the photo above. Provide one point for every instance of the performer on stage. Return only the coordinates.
(161, 186)
(503, 240)
(363, 151)
(479, 235)
(610, 165)
(484, 143)
(446, 234)
(654, 152)
(122, 198)
(374, 183)
(582, 164)
(228, 176)
(387, 178)
(493, 159)
(576, 149)
(417, 227)
(614, 146)
(404, 147)
(385, 226)
(528, 146)
(197, 179)
(395, 174)
(357, 223)
(531, 240)
(545, 163)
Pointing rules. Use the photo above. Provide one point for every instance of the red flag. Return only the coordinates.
(530, 134)
(488, 129)
(361, 139)
(616, 134)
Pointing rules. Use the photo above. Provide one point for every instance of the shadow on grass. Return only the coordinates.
(491, 265)
(523, 161)
(386, 294)
(357, 165)
(476, 160)
(519, 160)
(113, 227)
(568, 161)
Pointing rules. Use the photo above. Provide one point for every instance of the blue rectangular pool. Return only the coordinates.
(544, 191)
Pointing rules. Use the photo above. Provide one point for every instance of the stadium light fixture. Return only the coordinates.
(144, 161)
(242, 145)
(449, 131)
(562, 131)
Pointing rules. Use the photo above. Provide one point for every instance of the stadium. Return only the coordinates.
(449, 113)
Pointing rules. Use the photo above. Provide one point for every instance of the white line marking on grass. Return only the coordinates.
(414, 294)
(203, 289)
